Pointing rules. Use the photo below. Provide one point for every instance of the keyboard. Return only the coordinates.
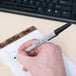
(59, 10)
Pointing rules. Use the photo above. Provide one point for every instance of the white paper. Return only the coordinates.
(70, 67)
(9, 52)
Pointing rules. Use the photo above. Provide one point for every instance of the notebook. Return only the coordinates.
(10, 49)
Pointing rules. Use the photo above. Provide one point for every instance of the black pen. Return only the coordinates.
(48, 37)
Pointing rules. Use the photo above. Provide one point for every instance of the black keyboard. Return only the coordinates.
(61, 10)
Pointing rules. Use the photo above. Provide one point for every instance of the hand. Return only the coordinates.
(45, 60)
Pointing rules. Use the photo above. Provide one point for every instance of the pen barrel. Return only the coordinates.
(41, 41)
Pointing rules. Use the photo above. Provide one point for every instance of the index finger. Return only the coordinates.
(26, 45)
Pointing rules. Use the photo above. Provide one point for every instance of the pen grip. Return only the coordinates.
(41, 41)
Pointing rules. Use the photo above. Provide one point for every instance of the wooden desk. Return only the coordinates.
(11, 24)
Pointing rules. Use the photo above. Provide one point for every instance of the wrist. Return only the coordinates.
(42, 72)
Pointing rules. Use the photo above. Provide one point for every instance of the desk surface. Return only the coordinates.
(11, 24)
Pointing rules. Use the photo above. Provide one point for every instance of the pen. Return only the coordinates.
(48, 37)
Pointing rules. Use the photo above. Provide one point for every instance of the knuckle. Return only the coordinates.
(54, 47)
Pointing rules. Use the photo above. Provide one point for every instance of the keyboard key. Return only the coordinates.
(38, 3)
(31, 2)
(25, 1)
(48, 1)
(55, 1)
(62, 7)
(57, 12)
(50, 5)
(49, 11)
(6, 1)
(19, 1)
(44, 4)
(67, 8)
(58, 7)
(66, 14)
(65, 2)
(40, 10)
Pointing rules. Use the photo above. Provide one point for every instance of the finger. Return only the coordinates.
(25, 60)
(24, 69)
(26, 45)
